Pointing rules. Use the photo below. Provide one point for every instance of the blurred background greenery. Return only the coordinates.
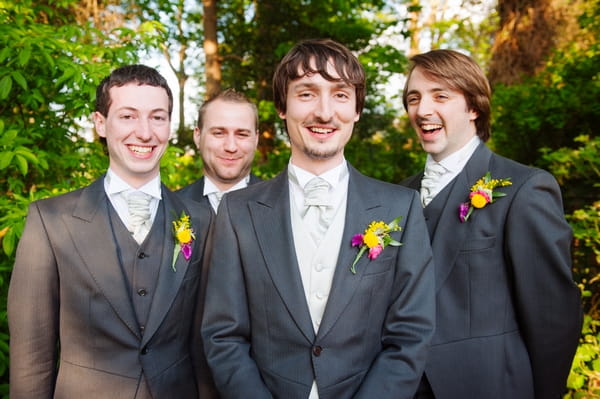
(542, 58)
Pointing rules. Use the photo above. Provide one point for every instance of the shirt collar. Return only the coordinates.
(114, 185)
(456, 161)
(210, 187)
(332, 176)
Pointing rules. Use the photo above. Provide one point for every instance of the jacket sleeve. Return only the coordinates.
(33, 313)
(226, 321)
(538, 241)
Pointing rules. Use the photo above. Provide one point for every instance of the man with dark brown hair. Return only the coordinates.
(293, 309)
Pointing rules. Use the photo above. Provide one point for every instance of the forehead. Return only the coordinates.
(138, 96)
(224, 113)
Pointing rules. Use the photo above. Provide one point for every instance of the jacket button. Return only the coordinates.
(141, 255)
(145, 350)
(141, 292)
(317, 350)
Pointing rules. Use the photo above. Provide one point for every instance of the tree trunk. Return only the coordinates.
(525, 38)
(211, 48)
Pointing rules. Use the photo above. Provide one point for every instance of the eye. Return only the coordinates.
(442, 97)
(342, 95)
(127, 116)
(218, 133)
(412, 100)
(244, 134)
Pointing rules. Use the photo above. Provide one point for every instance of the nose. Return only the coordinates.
(143, 130)
(425, 107)
(324, 109)
(230, 144)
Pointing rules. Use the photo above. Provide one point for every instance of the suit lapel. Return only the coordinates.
(271, 220)
(362, 208)
(94, 240)
(169, 281)
(450, 232)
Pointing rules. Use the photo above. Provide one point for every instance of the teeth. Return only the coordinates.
(143, 150)
(431, 126)
(321, 130)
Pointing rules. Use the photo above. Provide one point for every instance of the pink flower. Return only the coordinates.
(357, 240)
(463, 211)
(375, 251)
(186, 250)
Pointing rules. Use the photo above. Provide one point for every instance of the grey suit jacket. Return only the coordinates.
(508, 312)
(259, 338)
(195, 190)
(73, 329)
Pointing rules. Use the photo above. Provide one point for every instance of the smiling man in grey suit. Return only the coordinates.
(226, 136)
(508, 312)
(285, 316)
(103, 296)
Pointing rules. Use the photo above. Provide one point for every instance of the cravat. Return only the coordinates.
(433, 172)
(215, 199)
(138, 205)
(317, 208)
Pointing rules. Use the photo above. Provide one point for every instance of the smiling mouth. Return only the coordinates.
(429, 128)
(321, 130)
(140, 149)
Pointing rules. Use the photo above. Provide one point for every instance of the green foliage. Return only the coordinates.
(550, 109)
(584, 379)
(580, 167)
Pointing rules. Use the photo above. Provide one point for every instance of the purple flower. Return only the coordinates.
(186, 250)
(357, 240)
(463, 211)
(375, 251)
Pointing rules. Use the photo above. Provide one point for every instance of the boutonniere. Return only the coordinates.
(184, 236)
(375, 239)
(482, 193)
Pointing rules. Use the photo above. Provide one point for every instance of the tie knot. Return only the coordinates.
(316, 192)
(434, 169)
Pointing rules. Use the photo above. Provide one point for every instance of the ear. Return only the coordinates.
(473, 115)
(357, 117)
(99, 123)
(197, 137)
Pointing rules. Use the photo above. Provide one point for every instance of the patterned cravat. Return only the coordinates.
(317, 207)
(433, 172)
(138, 205)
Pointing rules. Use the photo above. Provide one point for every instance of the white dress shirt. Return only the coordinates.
(117, 190)
(453, 163)
(210, 190)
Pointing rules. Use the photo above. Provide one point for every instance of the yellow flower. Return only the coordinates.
(184, 236)
(478, 201)
(371, 239)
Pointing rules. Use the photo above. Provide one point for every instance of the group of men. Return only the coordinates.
(318, 283)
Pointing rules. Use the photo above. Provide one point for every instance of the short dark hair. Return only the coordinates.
(140, 74)
(229, 96)
(461, 73)
(297, 63)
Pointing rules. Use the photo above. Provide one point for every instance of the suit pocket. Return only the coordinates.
(478, 244)
(380, 265)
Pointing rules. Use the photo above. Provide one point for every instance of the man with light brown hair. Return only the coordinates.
(226, 136)
(508, 312)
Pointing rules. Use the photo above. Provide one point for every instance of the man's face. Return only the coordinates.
(439, 115)
(320, 116)
(227, 142)
(136, 131)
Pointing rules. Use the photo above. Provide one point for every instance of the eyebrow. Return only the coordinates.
(308, 85)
